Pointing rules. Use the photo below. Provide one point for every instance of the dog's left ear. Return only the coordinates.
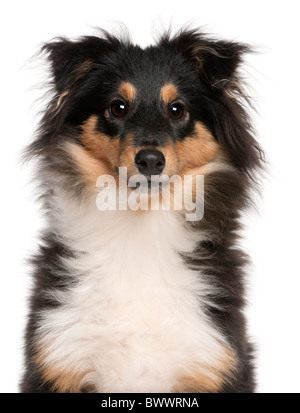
(215, 60)
(218, 61)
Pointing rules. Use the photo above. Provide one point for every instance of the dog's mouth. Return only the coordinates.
(151, 184)
(155, 184)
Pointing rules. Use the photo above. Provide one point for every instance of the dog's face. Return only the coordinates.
(159, 110)
(148, 113)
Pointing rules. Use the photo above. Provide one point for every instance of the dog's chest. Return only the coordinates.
(135, 319)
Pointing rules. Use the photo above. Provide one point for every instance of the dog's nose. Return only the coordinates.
(150, 161)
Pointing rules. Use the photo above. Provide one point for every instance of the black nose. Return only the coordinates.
(150, 161)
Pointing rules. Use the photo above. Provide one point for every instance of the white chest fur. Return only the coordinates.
(135, 319)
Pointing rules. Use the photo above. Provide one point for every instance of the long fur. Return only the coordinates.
(125, 301)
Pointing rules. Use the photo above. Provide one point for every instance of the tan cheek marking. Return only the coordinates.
(192, 156)
(169, 93)
(207, 379)
(98, 156)
(89, 167)
(128, 91)
(197, 150)
(99, 145)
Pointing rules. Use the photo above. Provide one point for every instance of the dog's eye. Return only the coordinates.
(176, 111)
(118, 108)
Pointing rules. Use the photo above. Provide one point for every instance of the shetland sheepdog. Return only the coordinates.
(129, 296)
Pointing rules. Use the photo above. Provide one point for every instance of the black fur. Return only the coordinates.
(206, 73)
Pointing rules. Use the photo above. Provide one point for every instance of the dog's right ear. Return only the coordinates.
(71, 61)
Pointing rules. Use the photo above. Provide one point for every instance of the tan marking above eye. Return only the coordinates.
(128, 91)
(169, 93)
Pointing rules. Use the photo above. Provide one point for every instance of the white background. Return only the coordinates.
(271, 237)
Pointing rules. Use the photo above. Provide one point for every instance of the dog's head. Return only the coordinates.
(172, 108)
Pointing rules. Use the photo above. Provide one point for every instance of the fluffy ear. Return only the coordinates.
(219, 60)
(216, 60)
(71, 61)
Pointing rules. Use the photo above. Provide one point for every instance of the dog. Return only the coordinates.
(142, 299)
